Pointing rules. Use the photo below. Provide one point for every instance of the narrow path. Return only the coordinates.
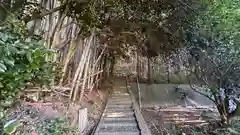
(119, 117)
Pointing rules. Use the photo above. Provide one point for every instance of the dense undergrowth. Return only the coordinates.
(23, 63)
(57, 126)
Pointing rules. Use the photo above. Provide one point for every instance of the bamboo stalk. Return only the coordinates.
(55, 29)
(76, 76)
(95, 64)
(69, 56)
(79, 71)
(81, 64)
(85, 75)
(69, 75)
(92, 68)
(89, 72)
(96, 78)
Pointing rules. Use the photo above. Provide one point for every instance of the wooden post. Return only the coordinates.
(138, 64)
(139, 94)
(149, 70)
(82, 119)
(168, 72)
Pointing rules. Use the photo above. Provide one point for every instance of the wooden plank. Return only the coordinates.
(82, 119)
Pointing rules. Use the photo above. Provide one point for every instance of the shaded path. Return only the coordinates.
(119, 117)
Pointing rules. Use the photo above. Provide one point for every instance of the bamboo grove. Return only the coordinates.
(89, 36)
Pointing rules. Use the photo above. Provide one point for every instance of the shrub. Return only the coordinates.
(22, 62)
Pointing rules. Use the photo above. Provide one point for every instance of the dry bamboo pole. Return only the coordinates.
(55, 29)
(92, 75)
(95, 64)
(76, 74)
(92, 79)
(48, 5)
(69, 75)
(82, 65)
(71, 51)
(100, 56)
(92, 68)
(100, 68)
(88, 74)
(98, 59)
(97, 77)
(79, 71)
(85, 75)
(67, 34)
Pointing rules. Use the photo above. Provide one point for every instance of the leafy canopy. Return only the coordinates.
(213, 43)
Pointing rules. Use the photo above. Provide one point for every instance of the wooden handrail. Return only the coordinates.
(141, 122)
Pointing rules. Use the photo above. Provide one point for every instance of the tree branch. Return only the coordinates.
(205, 95)
(47, 13)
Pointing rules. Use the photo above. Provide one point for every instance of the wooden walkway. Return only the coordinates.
(120, 116)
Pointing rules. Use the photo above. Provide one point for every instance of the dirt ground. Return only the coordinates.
(163, 108)
(32, 113)
(175, 120)
(154, 121)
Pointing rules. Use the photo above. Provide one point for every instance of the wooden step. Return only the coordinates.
(119, 103)
(118, 124)
(120, 110)
(118, 133)
(119, 106)
(118, 113)
(120, 118)
(115, 129)
(120, 121)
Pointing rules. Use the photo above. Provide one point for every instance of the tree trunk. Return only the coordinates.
(223, 116)
(104, 67)
(149, 71)
(138, 64)
(112, 65)
(168, 72)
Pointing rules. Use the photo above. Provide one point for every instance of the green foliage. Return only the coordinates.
(152, 25)
(21, 8)
(221, 21)
(213, 43)
(58, 126)
(22, 63)
(2, 122)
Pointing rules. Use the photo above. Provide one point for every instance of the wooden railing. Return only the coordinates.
(141, 122)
